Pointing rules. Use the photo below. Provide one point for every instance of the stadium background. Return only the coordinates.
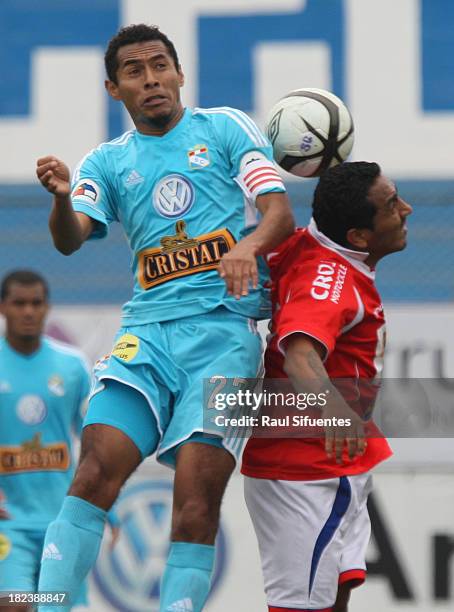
(393, 62)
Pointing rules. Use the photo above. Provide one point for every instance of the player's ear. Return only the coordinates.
(112, 89)
(181, 77)
(358, 239)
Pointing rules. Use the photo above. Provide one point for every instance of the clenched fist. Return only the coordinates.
(54, 175)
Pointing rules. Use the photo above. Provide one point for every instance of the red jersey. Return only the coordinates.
(327, 292)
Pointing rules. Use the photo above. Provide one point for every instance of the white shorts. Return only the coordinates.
(312, 536)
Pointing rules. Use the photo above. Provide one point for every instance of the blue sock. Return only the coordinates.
(187, 578)
(70, 549)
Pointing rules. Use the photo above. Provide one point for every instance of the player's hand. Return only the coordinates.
(350, 437)
(4, 515)
(239, 269)
(54, 175)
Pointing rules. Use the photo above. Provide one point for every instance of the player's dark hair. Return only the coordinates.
(341, 200)
(129, 35)
(22, 277)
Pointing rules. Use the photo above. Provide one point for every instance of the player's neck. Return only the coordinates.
(372, 261)
(25, 345)
(150, 128)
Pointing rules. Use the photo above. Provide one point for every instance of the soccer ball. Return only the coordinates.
(310, 130)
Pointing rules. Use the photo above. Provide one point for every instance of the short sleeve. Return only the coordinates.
(249, 152)
(320, 301)
(91, 193)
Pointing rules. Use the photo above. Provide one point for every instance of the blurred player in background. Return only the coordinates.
(307, 497)
(43, 387)
(187, 185)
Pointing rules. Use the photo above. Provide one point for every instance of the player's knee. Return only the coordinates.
(95, 481)
(196, 520)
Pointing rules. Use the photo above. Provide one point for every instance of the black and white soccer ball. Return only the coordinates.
(311, 130)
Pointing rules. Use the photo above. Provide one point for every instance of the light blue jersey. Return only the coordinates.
(41, 396)
(184, 199)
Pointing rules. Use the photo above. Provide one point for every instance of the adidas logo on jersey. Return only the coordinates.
(52, 552)
(183, 605)
(134, 178)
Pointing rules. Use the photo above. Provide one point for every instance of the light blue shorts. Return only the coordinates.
(164, 365)
(20, 560)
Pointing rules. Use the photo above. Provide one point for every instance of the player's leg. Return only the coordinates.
(219, 344)
(202, 473)
(352, 570)
(299, 527)
(120, 430)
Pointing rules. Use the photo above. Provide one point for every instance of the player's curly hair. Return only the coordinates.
(129, 35)
(340, 200)
(22, 277)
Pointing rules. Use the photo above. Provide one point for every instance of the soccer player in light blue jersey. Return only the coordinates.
(43, 386)
(189, 187)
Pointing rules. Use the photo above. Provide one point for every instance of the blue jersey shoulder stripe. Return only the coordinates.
(67, 349)
(121, 140)
(241, 119)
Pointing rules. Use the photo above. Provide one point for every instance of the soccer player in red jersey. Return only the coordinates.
(307, 496)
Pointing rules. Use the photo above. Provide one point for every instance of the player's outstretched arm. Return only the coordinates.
(239, 267)
(69, 229)
(304, 367)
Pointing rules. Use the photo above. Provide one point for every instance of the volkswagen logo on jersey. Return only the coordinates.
(129, 575)
(31, 409)
(173, 196)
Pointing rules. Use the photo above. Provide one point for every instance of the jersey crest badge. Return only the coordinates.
(198, 157)
(56, 385)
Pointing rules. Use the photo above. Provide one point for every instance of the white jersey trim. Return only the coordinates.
(359, 313)
(116, 142)
(103, 377)
(68, 349)
(355, 258)
(240, 118)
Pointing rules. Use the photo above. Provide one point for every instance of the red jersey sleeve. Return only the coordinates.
(316, 298)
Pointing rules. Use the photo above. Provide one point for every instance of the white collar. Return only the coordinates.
(355, 258)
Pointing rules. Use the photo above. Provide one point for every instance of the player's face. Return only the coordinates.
(148, 83)
(25, 308)
(390, 231)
